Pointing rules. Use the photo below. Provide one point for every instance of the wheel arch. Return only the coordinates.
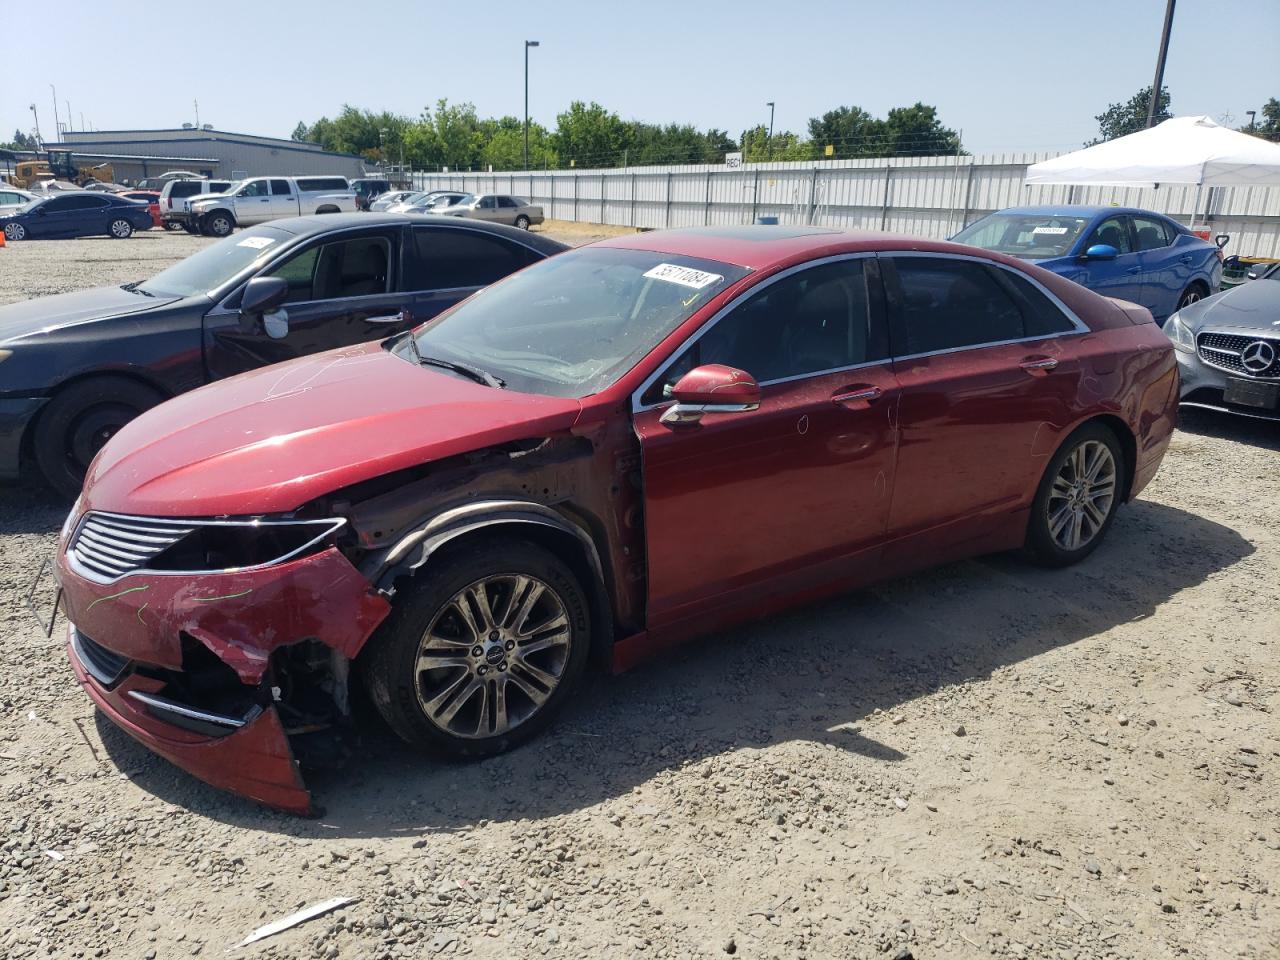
(327, 208)
(125, 373)
(210, 214)
(1124, 436)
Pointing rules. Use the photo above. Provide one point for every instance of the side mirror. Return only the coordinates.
(261, 296)
(712, 388)
(1101, 251)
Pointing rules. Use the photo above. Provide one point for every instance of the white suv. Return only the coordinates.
(174, 196)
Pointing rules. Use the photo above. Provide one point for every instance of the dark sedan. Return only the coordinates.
(77, 214)
(74, 368)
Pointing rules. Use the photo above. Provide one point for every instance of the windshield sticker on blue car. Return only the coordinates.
(685, 276)
(257, 243)
(1051, 231)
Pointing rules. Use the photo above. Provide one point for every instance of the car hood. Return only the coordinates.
(44, 314)
(1252, 307)
(270, 440)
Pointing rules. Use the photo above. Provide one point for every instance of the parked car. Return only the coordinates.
(615, 449)
(369, 189)
(76, 214)
(11, 198)
(386, 200)
(261, 199)
(173, 196)
(429, 202)
(81, 365)
(1228, 348)
(494, 207)
(1131, 254)
(152, 199)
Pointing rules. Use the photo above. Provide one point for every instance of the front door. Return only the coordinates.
(252, 202)
(1121, 277)
(746, 506)
(987, 382)
(341, 292)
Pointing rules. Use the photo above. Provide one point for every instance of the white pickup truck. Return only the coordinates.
(269, 198)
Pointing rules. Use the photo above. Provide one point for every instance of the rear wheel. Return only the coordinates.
(77, 422)
(1193, 294)
(522, 222)
(121, 229)
(1077, 498)
(482, 652)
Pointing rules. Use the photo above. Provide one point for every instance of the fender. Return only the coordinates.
(415, 548)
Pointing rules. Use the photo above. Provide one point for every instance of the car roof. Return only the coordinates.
(325, 222)
(758, 247)
(1080, 210)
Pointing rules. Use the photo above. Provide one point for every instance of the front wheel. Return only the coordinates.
(482, 651)
(1077, 498)
(121, 229)
(219, 224)
(522, 222)
(76, 423)
(15, 231)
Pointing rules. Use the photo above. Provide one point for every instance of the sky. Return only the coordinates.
(1009, 74)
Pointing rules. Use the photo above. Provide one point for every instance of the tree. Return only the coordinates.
(785, 145)
(1122, 119)
(504, 144)
(850, 131)
(917, 131)
(588, 135)
(20, 141)
(299, 132)
(1269, 126)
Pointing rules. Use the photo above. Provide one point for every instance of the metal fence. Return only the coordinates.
(927, 196)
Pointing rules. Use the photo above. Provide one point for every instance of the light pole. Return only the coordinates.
(35, 113)
(1158, 85)
(1251, 114)
(768, 143)
(527, 45)
(57, 127)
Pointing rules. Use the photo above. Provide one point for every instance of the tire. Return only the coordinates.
(219, 224)
(522, 222)
(1058, 533)
(1193, 294)
(120, 229)
(192, 228)
(79, 420)
(173, 226)
(15, 232)
(456, 708)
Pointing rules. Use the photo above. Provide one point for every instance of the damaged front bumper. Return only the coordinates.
(211, 671)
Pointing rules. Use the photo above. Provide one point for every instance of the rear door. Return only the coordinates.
(741, 506)
(284, 199)
(344, 289)
(447, 264)
(988, 378)
(507, 210)
(1121, 277)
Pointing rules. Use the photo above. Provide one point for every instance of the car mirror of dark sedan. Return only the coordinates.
(261, 295)
(712, 388)
(1101, 251)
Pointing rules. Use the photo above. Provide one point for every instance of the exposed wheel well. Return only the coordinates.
(81, 378)
(1128, 444)
(328, 208)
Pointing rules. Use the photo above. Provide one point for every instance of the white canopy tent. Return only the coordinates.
(1182, 150)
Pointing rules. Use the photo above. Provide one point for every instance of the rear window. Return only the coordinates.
(219, 186)
(184, 188)
(322, 183)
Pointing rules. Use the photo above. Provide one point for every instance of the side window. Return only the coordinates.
(488, 203)
(507, 202)
(184, 188)
(1151, 233)
(254, 188)
(1041, 317)
(445, 257)
(945, 304)
(90, 203)
(280, 188)
(216, 186)
(359, 267)
(1114, 232)
(299, 272)
(58, 205)
(812, 321)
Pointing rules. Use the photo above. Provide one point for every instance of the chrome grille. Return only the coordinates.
(1223, 350)
(110, 545)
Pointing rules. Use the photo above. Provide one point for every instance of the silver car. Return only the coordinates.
(11, 198)
(390, 199)
(496, 208)
(1228, 349)
(427, 202)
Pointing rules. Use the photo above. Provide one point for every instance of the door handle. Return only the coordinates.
(404, 316)
(858, 395)
(1038, 365)
(1186, 259)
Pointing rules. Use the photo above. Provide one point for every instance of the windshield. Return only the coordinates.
(214, 265)
(571, 325)
(1033, 236)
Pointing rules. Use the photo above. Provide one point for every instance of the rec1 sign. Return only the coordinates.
(733, 161)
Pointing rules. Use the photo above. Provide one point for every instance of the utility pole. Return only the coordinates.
(196, 104)
(768, 143)
(1251, 114)
(527, 45)
(36, 113)
(1158, 85)
(57, 126)
(70, 125)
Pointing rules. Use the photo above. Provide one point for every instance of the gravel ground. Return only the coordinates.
(984, 760)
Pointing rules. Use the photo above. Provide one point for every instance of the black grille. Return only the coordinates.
(105, 665)
(1224, 350)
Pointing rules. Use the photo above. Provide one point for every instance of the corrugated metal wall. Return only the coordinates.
(928, 196)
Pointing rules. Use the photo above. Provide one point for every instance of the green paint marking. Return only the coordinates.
(229, 596)
(140, 609)
(117, 596)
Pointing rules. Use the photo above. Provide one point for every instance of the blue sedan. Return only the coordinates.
(1118, 252)
(76, 214)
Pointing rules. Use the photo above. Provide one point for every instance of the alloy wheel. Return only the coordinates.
(1082, 495)
(121, 229)
(15, 231)
(1190, 297)
(493, 656)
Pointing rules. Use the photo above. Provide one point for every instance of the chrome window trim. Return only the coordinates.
(89, 666)
(638, 407)
(332, 525)
(163, 704)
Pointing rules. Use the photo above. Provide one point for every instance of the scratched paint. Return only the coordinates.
(225, 596)
(117, 596)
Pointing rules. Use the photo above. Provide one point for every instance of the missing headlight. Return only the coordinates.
(232, 544)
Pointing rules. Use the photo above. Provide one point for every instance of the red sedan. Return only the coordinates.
(605, 454)
(152, 199)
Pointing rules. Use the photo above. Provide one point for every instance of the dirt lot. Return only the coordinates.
(985, 760)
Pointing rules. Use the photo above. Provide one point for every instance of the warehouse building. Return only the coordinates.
(136, 154)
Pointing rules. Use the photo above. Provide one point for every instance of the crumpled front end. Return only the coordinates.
(223, 673)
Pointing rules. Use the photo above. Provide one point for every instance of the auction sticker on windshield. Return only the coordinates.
(257, 243)
(685, 276)
(1051, 231)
